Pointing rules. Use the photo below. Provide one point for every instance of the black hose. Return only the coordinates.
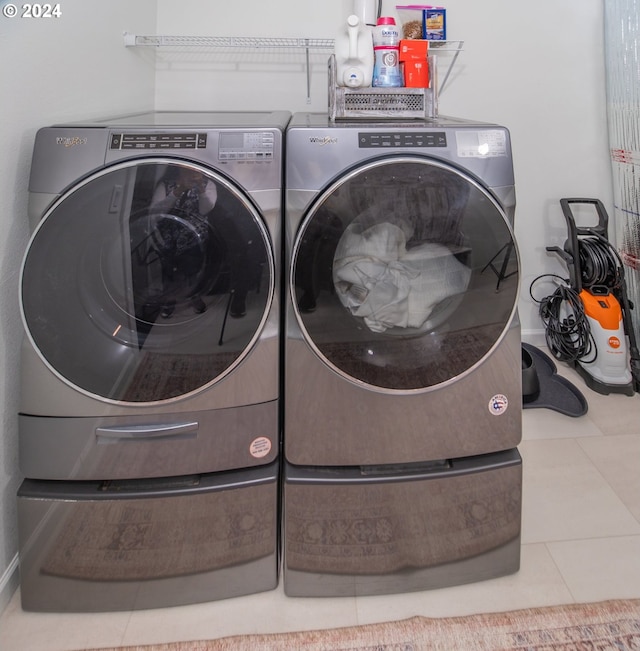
(567, 330)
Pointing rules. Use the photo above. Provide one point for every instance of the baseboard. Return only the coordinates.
(9, 583)
(534, 337)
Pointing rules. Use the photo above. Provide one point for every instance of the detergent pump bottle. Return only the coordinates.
(386, 53)
(354, 55)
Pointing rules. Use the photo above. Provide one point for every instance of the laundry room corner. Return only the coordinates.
(531, 76)
(54, 70)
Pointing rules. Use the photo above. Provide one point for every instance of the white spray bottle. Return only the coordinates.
(354, 54)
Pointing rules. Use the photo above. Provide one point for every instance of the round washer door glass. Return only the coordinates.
(147, 281)
(394, 274)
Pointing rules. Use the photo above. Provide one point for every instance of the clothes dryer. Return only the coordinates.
(402, 356)
(149, 416)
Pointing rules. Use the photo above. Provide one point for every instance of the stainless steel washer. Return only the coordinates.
(149, 420)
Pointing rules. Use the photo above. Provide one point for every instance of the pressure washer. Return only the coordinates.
(588, 318)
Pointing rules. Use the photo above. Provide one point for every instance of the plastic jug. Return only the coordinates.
(354, 54)
(366, 11)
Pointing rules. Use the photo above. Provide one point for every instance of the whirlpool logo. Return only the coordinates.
(327, 140)
(71, 142)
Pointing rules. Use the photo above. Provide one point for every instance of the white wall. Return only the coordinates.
(536, 68)
(53, 70)
(245, 79)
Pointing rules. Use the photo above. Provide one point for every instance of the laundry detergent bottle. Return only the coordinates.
(386, 53)
(354, 54)
(366, 11)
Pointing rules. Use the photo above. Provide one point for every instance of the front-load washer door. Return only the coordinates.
(394, 277)
(147, 281)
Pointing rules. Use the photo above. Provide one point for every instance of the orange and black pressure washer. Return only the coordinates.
(588, 322)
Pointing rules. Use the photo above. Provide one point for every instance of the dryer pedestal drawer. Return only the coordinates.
(127, 545)
(382, 530)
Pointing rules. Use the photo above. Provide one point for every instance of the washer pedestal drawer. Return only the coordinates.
(128, 545)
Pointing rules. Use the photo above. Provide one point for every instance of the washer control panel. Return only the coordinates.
(159, 141)
(232, 145)
(390, 140)
(246, 145)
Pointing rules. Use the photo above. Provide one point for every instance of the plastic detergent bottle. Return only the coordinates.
(354, 55)
(366, 11)
(386, 53)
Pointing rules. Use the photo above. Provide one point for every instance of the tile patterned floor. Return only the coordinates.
(580, 542)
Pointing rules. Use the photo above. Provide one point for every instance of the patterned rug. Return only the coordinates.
(604, 626)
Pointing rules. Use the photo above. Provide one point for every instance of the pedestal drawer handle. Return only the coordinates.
(143, 432)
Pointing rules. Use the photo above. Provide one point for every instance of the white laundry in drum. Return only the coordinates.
(389, 285)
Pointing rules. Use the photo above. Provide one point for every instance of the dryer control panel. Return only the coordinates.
(389, 140)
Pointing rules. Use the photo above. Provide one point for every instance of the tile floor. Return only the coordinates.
(580, 542)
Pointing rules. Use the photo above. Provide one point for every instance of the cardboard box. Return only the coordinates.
(415, 66)
(416, 74)
(435, 24)
(414, 50)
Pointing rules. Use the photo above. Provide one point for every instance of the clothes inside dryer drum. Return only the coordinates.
(379, 279)
(129, 280)
(387, 274)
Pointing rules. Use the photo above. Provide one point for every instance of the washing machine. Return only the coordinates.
(402, 399)
(149, 416)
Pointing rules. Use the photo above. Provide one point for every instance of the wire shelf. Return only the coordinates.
(131, 40)
(159, 40)
(257, 43)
